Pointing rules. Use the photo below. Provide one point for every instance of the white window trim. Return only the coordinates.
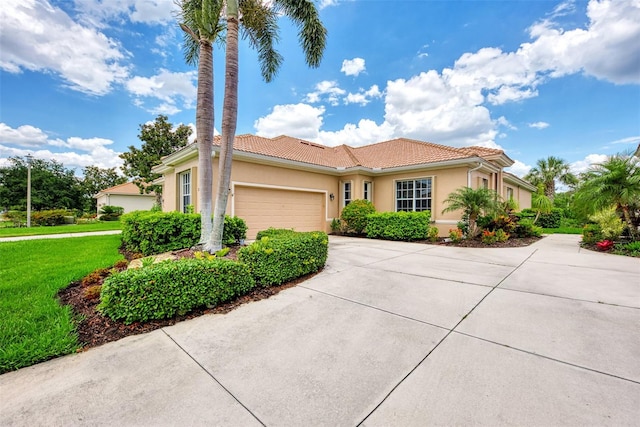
(343, 191)
(395, 192)
(369, 196)
(181, 193)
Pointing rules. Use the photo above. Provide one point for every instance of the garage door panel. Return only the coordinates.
(262, 208)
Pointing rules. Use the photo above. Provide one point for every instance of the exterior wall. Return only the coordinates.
(444, 182)
(246, 173)
(130, 202)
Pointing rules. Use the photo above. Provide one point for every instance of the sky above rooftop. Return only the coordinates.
(534, 78)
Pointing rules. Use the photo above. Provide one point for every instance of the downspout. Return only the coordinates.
(469, 174)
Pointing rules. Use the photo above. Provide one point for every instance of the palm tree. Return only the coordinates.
(200, 21)
(472, 203)
(615, 182)
(547, 171)
(540, 202)
(259, 21)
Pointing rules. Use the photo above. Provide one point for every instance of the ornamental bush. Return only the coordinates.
(50, 217)
(157, 232)
(545, 220)
(355, 214)
(151, 233)
(404, 226)
(526, 228)
(172, 288)
(280, 255)
(110, 213)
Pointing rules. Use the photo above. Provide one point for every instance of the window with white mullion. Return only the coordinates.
(413, 195)
(346, 192)
(185, 191)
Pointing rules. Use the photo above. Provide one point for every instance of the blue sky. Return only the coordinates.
(534, 78)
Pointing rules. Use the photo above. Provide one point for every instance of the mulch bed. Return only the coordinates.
(94, 329)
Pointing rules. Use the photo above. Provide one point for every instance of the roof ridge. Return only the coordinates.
(351, 154)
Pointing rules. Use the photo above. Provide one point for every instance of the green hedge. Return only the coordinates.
(548, 220)
(281, 255)
(404, 226)
(150, 232)
(172, 288)
(355, 215)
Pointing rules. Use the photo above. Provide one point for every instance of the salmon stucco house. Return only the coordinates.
(291, 183)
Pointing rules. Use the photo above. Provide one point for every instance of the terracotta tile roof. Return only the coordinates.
(126, 188)
(388, 154)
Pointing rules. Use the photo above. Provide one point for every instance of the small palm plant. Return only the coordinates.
(472, 203)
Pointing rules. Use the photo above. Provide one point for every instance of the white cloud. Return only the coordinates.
(363, 97)
(353, 67)
(299, 120)
(518, 168)
(99, 12)
(539, 125)
(365, 132)
(77, 152)
(628, 140)
(326, 91)
(502, 121)
(582, 165)
(327, 3)
(167, 87)
(37, 36)
(25, 135)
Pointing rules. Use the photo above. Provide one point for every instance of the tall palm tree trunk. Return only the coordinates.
(204, 128)
(229, 123)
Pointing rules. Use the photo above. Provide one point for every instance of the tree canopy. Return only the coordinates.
(547, 171)
(52, 186)
(95, 180)
(159, 139)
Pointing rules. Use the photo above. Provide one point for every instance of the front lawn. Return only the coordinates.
(562, 230)
(60, 229)
(34, 327)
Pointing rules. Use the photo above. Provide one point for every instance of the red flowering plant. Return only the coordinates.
(605, 245)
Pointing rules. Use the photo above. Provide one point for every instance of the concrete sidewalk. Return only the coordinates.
(389, 334)
(59, 236)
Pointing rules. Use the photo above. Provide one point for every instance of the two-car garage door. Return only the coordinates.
(264, 207)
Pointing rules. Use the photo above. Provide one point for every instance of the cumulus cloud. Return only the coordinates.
(326, 3)
(539, 125)
(519, 169)
(167, 87)
(452, 106)
(72, 152)
(363, 97)
(24, 136)
(37, 36)
(583, 165)
(99, 12)
(353, 67)
(327, 91)
(365, 132)
(300, 120)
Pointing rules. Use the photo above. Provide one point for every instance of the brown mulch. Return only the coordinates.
(94, 329)
(513, 242)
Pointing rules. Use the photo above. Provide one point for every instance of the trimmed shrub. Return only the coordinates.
(110, 213)
(611, 225)
(591, 234)
(526, 228)
(51, 217)
(235, 230)
(355, 214)
(404, 226)
(545, 220)
(157, 232)
(151, 233)
(281, 255)
(172, 288)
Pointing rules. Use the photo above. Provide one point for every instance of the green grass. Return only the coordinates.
(60, 229)
(33, 326)
(562, 230)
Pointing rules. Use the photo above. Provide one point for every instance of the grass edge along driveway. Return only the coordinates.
(60, 229)
(34, 327)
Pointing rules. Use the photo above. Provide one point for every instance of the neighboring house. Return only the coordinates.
(291, 183)
(126, 195)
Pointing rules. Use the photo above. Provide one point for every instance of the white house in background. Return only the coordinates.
(127, 196)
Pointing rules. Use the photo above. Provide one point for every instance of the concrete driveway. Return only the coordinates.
(389, 334)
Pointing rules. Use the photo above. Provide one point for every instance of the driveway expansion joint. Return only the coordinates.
(213, 377)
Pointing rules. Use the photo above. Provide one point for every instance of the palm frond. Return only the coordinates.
(311, 31)
(260, 27)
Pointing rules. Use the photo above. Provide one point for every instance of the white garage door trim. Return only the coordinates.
(279, 187)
